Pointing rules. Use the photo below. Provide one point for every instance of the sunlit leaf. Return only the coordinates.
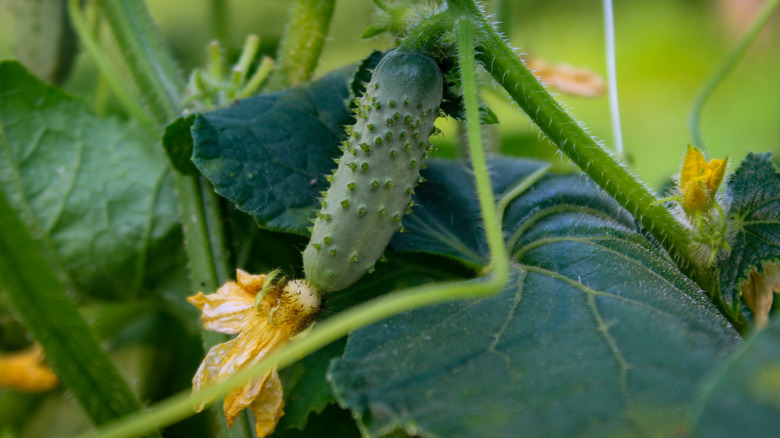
(96, 193)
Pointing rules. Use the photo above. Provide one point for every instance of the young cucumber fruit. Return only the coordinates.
(372, 187)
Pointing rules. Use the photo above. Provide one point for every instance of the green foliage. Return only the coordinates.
(89, 201)
(743, 397)
(177, 141)
(38, 294)
(261, 153)
(94, 192)
(305, 388)
(754, 222)
(604, 326)
(571, 346)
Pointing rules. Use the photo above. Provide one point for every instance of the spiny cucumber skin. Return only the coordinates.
(372, 187)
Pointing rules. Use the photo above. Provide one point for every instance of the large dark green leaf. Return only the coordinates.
(743, 399)
(596, 333)
(754, 217)
(269, 154)
(94, 192)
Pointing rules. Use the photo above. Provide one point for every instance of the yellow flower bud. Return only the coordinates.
(25, 371)
(699, 180)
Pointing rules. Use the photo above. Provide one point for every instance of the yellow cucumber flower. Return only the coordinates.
(265, 314)
(699, 180)
(25, 371)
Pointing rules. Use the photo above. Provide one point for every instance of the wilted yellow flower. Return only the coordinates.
(25, 371)
(264, 314)
(699, 180)
(568, 79)
(758, 293)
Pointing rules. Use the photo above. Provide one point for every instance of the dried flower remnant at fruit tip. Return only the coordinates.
(26, 371)
(265, 311)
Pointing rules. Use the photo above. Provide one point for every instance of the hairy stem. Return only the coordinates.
(725, 67)
(37, 288)
(104, 67)
(509, 71)
(161, 83)
(150, 64)
(468, 72)
(301, 46)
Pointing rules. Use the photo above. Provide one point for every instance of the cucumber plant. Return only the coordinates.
(371, 190)
(517, 292)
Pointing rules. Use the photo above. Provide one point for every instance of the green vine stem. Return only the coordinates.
(37, 288)
(508, 70)
(181, 406)
(487, 203)
(301, 46)
(149, 62)
(161, 83)
(104, 67)
(725, 67)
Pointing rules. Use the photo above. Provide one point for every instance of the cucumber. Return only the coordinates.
(372, 187)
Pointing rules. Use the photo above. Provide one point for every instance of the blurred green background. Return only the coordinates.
(666, 49)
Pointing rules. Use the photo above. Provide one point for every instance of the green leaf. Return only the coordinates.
(336, 421)
(269, 154)
(743, 398)
(754, 221)
(96, 193)
(177, 141)
(597, 332)
(437, 228)
(38, 295)
(305, 388)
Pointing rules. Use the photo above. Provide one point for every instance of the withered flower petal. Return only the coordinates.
(263, 323)
(758, 293)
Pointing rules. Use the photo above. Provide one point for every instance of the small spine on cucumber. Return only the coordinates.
(371, 189)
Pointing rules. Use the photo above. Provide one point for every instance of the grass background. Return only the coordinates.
(665, 51)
